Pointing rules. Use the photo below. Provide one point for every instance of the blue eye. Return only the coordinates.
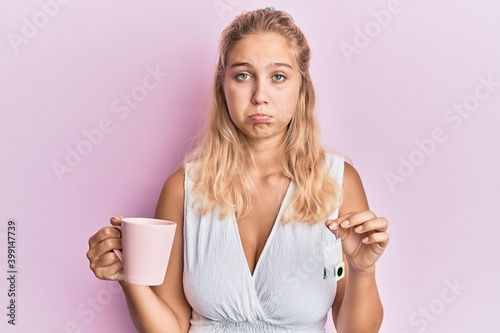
(242, 76)
(279, 77)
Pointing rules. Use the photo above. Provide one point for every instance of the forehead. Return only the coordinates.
(264, 48)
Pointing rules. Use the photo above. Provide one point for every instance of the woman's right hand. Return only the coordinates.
(103, 261)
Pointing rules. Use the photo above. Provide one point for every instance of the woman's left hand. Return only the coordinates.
(364, 238)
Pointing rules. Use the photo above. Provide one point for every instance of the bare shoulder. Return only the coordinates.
(175, 183)
(171, 201)
(354, 196)
(351, 176)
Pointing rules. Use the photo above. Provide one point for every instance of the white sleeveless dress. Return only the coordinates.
(288, 291)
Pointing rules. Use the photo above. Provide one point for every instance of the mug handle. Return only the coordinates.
(118, 253)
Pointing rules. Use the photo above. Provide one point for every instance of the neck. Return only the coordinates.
(267, 155)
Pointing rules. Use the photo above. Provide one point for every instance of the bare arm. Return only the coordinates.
(156, 309)
(164, 308)
(357, 306)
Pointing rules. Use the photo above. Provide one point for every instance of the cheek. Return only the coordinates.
(230, 102)
(228, 96)
(236, 98)
(229, 91)
(296, 96)
(291, 99)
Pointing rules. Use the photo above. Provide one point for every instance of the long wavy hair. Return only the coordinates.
(222, 162)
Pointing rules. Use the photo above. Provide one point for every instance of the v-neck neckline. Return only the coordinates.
(268, 240)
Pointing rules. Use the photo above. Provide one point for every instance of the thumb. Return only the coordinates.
(334, 227)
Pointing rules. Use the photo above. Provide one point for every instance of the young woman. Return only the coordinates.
(261, 207)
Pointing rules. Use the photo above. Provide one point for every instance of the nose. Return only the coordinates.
(259, 95)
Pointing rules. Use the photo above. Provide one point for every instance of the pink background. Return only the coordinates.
(440, 272)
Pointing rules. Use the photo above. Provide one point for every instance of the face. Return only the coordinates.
(261, 86)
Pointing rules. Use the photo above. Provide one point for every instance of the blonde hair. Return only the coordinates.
(221, 157)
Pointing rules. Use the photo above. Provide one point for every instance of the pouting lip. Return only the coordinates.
(260, 115)
(260, 118)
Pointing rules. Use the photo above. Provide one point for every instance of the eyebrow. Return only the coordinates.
(274, 64)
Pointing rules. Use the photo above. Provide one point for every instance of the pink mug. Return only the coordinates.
(146, 247)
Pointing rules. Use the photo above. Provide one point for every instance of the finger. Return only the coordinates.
(332, 224)
(380, 238)
(355, 219)
(335, 228)
(105, 246)
(119, 275)
(378, 224)
(104, 233)
(105, 260)
(106, 265)
(110, 272)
